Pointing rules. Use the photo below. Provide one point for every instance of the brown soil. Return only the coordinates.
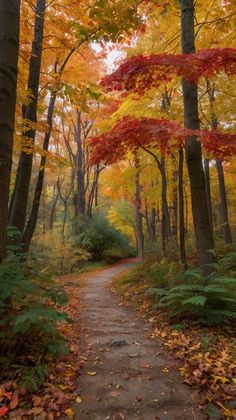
(127, 375)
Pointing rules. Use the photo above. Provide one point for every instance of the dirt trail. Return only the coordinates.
(127, 375)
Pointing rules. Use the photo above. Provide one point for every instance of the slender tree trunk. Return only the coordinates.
(166, 225)
(138, 215)
(181, 212)
(203, 232)
(208, 189)
(175, 207)
(64, 219)
(30, 227)
(21, 192)
(186, 227)
(223, 203)
(96, 196)
(53, 209)
(80, 170)
(9, 48)
(220, 170)
(92, 194)
(152, 225)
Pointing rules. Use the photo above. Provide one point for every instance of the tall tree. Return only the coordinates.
(203, 232)
(9, 49)
(21, 192)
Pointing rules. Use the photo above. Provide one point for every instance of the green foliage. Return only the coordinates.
(208, 301)
(28, 316)
(102, 240)
(33, 377)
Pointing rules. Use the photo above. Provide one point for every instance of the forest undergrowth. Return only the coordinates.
(50, 388)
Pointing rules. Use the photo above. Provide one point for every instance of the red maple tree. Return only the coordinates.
(140, 73)
(164, 135)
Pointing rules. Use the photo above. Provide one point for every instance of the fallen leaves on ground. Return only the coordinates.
(207, 355)
(61, 390)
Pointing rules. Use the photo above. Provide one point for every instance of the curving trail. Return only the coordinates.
(127, 375)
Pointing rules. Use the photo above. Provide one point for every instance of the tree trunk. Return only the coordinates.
(175, 207)
(223, 203)
(186, 227)
(92, 194)
(138, 215)
(166, 225)
(203, 232)
(9, 49)
(181, 212)
(21, 192)
(30, 227)
(208, 189)
(220, 171)
(152, 225)
(53, 209)
(80, 170)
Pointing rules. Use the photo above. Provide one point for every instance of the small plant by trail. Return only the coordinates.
(29, 316)
(206, 300)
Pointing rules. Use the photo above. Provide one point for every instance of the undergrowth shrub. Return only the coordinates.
(156, 273)
(60, 257)
(29, 318)
(102, 240)
(206, 300)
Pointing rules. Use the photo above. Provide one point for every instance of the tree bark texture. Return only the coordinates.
(21, 192)
(203, 232)
(9, 50)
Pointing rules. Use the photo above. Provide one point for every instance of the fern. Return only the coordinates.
(206, 300)
(28, 319)
(195, 300)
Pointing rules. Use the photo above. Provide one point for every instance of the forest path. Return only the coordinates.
(126, 375)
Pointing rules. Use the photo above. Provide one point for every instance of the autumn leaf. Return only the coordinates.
(3, 411)
(14, 402)
(69, 412)
(35, 411)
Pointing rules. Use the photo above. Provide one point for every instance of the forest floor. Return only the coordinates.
(126, 374)
(126, 363)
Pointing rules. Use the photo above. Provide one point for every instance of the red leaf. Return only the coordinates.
(3, 411)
